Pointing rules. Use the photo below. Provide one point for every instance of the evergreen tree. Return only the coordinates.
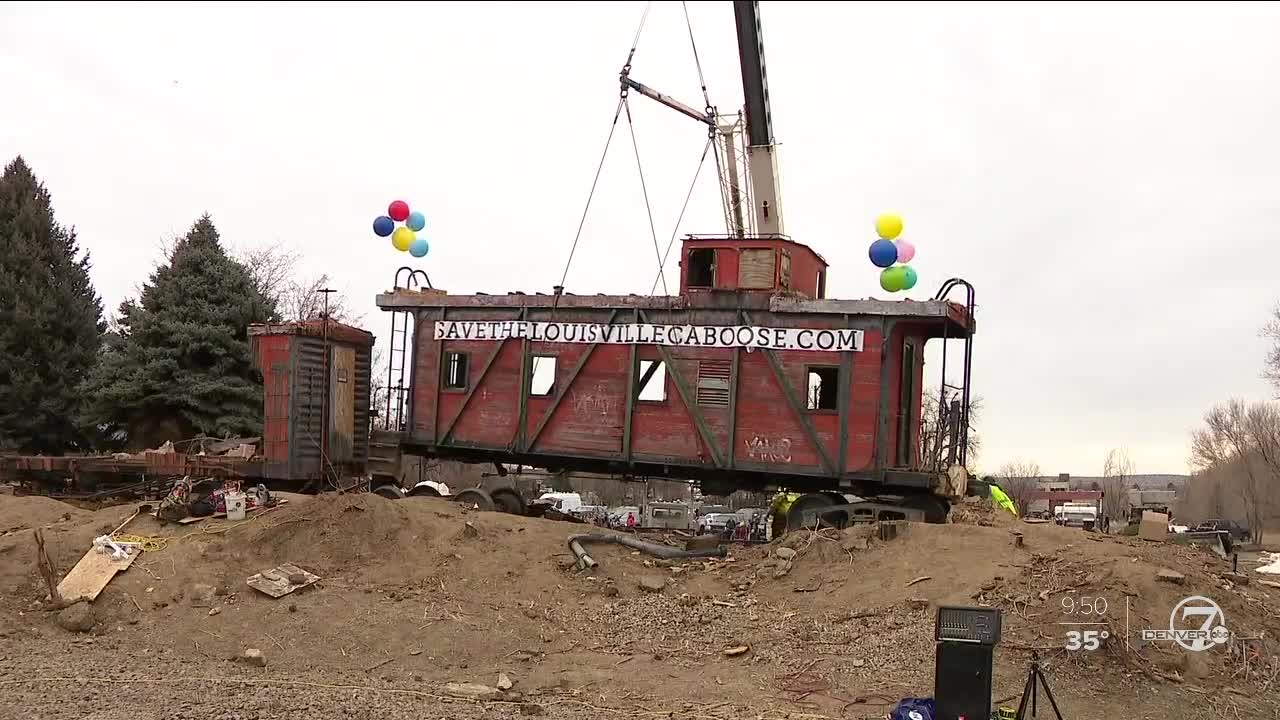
(50, 320)
(178, 363)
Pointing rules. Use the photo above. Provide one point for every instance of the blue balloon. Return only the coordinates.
(383, 226)
(883, 253)
(419, 247)
(416, 221)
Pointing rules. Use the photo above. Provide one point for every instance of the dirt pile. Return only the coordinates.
(26, 513)
(419, 593)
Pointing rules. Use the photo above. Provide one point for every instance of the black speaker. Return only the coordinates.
(962, 681)
(964, 665)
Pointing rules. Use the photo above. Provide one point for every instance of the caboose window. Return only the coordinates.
(702, 267)
(824, 386)
(543, 378)
(455, 371)
(652, 384)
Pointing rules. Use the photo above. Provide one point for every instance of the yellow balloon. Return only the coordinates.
(889, 226)
(402, 238)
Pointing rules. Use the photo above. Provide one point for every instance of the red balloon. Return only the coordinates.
(398, 210)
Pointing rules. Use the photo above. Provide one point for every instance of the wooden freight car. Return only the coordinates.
(747, 379)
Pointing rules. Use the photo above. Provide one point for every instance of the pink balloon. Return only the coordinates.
(906, 251)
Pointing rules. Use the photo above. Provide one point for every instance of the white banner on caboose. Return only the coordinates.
(720, 336)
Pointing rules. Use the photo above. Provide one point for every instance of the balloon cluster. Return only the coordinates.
(405, 238)
(884, 253)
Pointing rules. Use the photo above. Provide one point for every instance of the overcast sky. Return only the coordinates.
(1107, 175)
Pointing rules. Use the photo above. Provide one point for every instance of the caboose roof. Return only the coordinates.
(402, 299)
(338, 332)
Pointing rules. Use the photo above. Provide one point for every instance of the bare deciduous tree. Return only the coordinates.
(1241, 444)
(1116, 472)
(936, 430)
(302, 301)
(1019, 479)
(275, 268)
(1271, 365)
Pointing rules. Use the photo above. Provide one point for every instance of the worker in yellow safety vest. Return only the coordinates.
(778, 509)
(1002, 499)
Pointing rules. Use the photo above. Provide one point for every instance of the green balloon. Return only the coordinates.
(908, 277)
(892, 279)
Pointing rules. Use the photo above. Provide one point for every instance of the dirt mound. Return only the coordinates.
(423, 592)
(29, 512)
(335, 533)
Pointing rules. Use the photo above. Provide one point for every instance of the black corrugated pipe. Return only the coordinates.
(662, 551)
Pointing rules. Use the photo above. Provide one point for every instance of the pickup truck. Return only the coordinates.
(1238, 532)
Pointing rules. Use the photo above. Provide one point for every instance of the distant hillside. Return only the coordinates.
(1144, 482)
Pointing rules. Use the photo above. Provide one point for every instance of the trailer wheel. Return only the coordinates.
(424, 491)
(805, 503)
(935, 509)
(477, 497)
(507, 500)
(390, 492)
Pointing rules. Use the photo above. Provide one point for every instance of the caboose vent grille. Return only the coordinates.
(713, 383)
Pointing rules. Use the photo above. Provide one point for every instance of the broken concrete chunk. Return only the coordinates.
(254, 657)
(650, 583)
(504, 682)
(472, 691)
(782, 570)
(1166, 575)
(76, 618)
(785, 553)
(918, 603)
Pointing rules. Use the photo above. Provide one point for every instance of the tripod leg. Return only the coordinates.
(1049, 694)
(1027, 690)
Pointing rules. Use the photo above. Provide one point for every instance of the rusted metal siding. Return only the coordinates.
(291, 358)
(342, 422)
(586, 414)
(309, 390)
(274, 362)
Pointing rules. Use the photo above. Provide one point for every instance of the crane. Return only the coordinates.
(753, 124)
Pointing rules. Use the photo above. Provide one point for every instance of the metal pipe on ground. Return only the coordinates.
(660, 551)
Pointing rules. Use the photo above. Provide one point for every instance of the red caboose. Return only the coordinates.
(748, 379)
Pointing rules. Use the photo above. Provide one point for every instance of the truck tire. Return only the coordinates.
(507, 500)
(935, 509)
(390, 492)
(804, 503)
(424, 491)
(475, 497)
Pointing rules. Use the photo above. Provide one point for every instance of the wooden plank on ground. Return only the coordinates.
(87, 579)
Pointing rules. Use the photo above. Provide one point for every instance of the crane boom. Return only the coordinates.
(762, 160)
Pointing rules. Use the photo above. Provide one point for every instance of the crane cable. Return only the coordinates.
(710, 143)
(616, 114)
(711, 138)
(644, 189)
(706, 98)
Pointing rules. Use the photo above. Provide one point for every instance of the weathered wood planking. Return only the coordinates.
(87, 579)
